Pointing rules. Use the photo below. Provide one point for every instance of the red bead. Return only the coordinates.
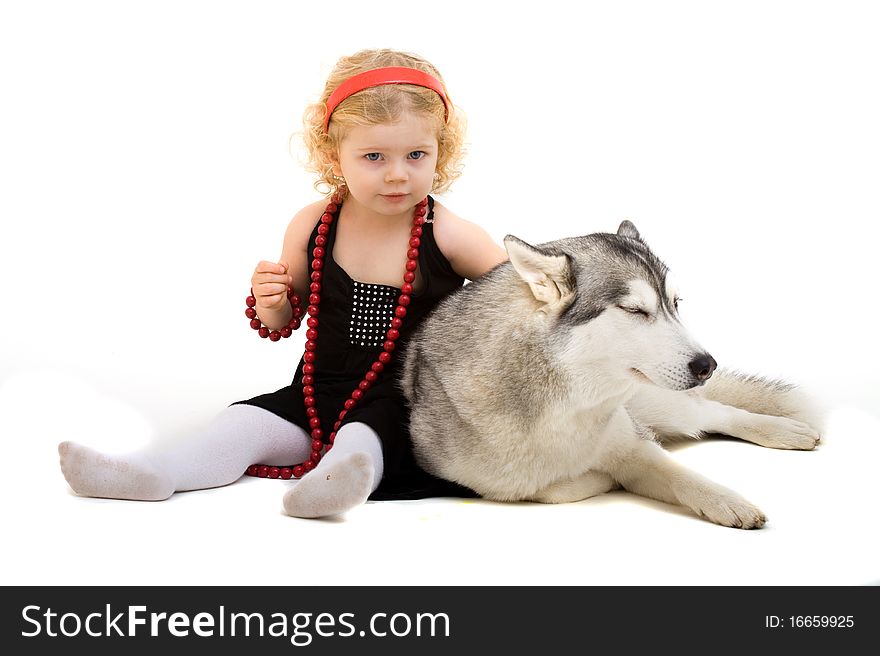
(308, 465)
(263, 471)
(409, 276)
(356, 395)
(412, 253)
(315, 457)
(264, 332)
(311, 345)
(388, 346)
(336, 427)
(320, 240)
(315, 288)
(298, 471)
(411, 266)
(295, 299)
(308, 380)
(371, 376)
(342, 414)
(317, 445)
(416, 231)
(250, 313)
(308, 390)
(318, 252)
(256, 323)
(415, 242)
(384, 357)
(308, 368)
(286, 332)
(349, 404)
(400, 311)
(309, 401)
(377, 366)
(274, 472)
(364, 385)
(312, 310)
(419, 220)
(314, 422)
(309, 357)
(312, 334)
(332, 439)
(393, 334)
(326, 217)
(252, 470)
(407, 288)
(294, 324)
(250, 301)
(316, 276)
(286, 473)
(311, 412)
(396, 322)
(317, 433)
(314, 299)
(317, 264)
(312, 322)
(331, 208)
(423, 202)
(404, 299)
(323, 229)
(274, 336)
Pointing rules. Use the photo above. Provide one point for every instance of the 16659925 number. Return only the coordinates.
(821, 621)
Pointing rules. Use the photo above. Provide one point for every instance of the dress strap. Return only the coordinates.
(430, 217)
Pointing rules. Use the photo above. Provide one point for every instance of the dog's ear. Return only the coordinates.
(627, 229)
(548, 276)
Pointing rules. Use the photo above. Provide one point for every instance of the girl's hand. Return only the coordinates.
(270, 282)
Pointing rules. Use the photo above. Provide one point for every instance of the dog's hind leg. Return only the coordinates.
(674, 414)
(641, 466)
(589, 484)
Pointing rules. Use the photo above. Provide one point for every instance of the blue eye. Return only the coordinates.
(417, 154)
(372, 157)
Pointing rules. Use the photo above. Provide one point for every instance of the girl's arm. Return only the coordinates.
(469, 249)
(294, 257)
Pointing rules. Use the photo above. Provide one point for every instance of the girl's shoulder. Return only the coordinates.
(468, 247)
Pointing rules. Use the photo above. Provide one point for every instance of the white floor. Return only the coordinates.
(822, 507)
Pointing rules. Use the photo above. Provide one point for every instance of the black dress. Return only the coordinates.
(353, 321)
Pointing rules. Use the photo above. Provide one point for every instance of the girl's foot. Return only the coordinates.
(332, 489)
(94, 474)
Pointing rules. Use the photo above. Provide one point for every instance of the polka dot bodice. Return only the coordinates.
(372, 308)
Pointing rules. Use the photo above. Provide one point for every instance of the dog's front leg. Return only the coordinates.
(641, 466)
(675, 414)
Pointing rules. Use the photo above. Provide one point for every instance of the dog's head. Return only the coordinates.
(611, 305)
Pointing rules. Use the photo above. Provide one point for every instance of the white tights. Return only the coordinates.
(241, 435)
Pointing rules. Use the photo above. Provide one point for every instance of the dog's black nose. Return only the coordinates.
(702, 367)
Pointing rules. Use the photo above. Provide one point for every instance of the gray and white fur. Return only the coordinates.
(556, 376)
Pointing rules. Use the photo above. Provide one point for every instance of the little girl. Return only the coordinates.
(368, 262)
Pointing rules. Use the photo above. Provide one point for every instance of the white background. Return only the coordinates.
(145, 169)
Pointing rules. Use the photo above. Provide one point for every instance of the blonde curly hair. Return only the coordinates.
(376, 105)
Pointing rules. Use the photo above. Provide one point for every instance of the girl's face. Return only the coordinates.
(388, 168)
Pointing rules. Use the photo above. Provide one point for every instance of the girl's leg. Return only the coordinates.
(343, 479)
(239, 436)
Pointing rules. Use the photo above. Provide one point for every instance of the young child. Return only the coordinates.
(369, 261)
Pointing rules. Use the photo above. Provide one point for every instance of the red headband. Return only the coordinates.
(378, 77)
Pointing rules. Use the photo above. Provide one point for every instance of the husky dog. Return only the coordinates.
(555, 377)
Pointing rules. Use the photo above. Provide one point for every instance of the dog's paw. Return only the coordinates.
(722, 506)
(780, 433)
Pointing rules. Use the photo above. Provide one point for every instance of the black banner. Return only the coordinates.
(435, 620)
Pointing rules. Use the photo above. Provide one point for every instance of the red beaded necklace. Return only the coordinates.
(308, 379)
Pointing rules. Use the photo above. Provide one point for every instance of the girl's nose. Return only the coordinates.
(396, 172)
